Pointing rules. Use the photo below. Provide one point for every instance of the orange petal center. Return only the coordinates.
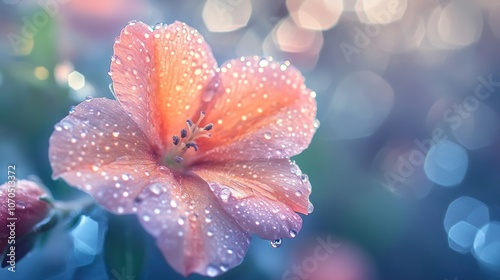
(186, 139)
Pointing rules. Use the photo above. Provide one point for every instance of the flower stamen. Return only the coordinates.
(188, 138)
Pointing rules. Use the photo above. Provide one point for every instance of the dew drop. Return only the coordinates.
(276, 243)
(310, 208)
(156, 188)
(293, 233)
(146, 218)
(304, 178)
(58, 127)
(20, 205)
(120, 209)
(210, 234)
(67, 126)
(263, 62)
(212, 271)
(129, 57)
(173, 203)
(267, 135)
(225, 194)
(316, 123)
(180, 221)
(72, 110)
(88, 98)
(125, 177)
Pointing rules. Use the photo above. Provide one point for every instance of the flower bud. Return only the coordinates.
(20, 210)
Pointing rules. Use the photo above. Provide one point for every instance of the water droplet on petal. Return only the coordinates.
(156, 188)
(293, 233)
(116, 133)
(310, 208)
(67, 125)
(146, 218)
(210, 234)
(88, 98)
(267, 135)
(173, 203)
(125, 177)
(316, 123)
(225, 194)
(212, 271)
(58, 127)
(20, 205)
(180, 221)
(304, 178)
(71, 110)
(263, 62)
(276, 243)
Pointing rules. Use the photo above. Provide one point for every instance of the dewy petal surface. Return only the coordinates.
(162, 76)
(192, 230)
(262, 196)
(102, 151)
(261, 110)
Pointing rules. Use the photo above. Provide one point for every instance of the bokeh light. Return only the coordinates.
(446, 163)
(487, 246)
(315, 14)
(359, 105)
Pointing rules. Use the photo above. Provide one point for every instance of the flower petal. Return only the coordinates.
(162, 76)
(262, 110)
(261, 196)
(102, 151)
(194, 233)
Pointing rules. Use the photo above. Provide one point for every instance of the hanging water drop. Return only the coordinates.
(310, 208)
(293, 233)
(276, 243)
(304, 178)
(212, 271)
(72, 110)
(88, 98)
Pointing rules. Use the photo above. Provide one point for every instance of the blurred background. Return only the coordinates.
(404, 167)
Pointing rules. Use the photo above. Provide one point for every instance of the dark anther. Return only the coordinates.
(178, 159)
(192, 144)
(190, 122)
(184, 133)
(208, 127)
(175, 139)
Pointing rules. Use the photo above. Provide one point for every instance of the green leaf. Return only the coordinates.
(124, 248)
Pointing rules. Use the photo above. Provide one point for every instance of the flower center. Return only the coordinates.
(187, 139)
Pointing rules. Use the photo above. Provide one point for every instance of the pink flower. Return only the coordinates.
(199, 153)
